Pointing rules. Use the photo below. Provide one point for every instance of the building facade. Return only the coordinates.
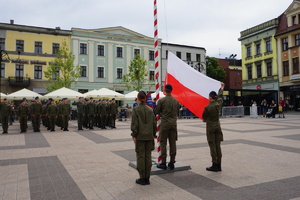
(259, 57)
(193, 56)
(104, 56)
(288, 43)
(30, 50)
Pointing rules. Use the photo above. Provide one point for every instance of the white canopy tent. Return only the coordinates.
(64, 93)
(2, 95)
(108, 94)
(93, 93)
(131, 95)
(23, 93)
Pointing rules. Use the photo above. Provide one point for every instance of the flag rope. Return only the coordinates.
(157, 85)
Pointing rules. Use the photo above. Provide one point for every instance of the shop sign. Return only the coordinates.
(295, 77)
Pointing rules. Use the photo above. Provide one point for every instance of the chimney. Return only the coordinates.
(12, 21)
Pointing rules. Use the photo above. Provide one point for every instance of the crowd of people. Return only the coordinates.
(50, 113)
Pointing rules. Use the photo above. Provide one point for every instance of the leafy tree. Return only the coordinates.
(62, 69)
(214, 70)
(137, 75)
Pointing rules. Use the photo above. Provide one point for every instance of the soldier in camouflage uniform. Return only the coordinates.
(108, 114)
(102, 113)
(59, 118)
(168, 108)
(45, 119)
(213, 128)
(143, 127)
(114, 112)
(80, 111)
(85, 114)
(65, 114)
(91, 110)
(5, 113)
(52, 113)
(23, 112)
(36, 113)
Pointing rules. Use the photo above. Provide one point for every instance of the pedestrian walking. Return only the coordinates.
(213, 128)
(168, 107)
(143, 127)
(5, 114)
(23, 112)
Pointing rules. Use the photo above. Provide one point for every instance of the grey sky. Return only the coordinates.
(214, 24)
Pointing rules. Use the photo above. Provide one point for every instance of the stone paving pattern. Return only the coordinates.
(261, 160)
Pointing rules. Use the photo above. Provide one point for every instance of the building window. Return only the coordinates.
(258, 52)
(285, 44)
(83, 71)
(286, 71)
(2, 43)
(151, 55)
(295, 65)
(83, 48)
(119, 52)
(188, 56)
(56, 74)
(100, 50)
(167, 54)
(2, 72)
(100, 72)
(20, 45)
(248, 51)
(198, 57)
(119, 73)
(269, 69)
(294, 20)
(38, 46)
(249, 70)
(268, 46)
(55, 48)
(19, 74)
(297, 40)
(37, 72)
(137, 52)
(178, 54)
(258, 70)
(151, 75)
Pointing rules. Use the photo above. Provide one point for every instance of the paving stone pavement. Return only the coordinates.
(261, 160)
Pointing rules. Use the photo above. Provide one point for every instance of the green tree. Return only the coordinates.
(214, 70)
(62, 69)
(137, 75)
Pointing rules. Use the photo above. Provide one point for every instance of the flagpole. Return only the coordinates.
(157, 85)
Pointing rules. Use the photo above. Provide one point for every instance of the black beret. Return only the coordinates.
(169, 87)
(50, 99)
(143, 92)
(113, 99)
(37, 97)
(24, 99)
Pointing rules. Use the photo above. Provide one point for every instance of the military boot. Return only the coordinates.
(219, 167)
(171, 165)
(162, 166)
(213, 168)
(141, 181)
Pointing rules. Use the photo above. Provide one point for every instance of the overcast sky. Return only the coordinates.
(213, 24)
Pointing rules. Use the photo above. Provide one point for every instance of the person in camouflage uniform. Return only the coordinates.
(23, 112)
(5, 114)
(143, 129)
(168, 107)
(113, 112)
(52, 113)
(65, 114)
(59, 118)
(36, 113)
(80, 111)
(108, 114)
(213, 128)
(91, 110)
(103, 114)
(85, 114)
(45, 119)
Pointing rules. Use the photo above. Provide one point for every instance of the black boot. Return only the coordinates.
(141, 181)
(213, 168)
(147, 180)
(162, 166)
(171, 165)
(219, 167)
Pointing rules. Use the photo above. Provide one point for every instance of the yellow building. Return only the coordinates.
(259, 57)
(29, 50)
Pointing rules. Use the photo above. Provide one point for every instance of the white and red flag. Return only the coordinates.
(190, 87)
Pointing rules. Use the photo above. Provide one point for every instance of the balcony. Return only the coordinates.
(18, 81)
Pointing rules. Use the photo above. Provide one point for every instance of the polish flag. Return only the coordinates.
(190, 87)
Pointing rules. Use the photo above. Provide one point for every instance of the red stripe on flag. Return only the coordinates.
(190, 99)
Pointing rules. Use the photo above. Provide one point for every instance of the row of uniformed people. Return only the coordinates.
(101, 114)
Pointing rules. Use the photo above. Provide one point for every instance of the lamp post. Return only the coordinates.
(3, 54)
